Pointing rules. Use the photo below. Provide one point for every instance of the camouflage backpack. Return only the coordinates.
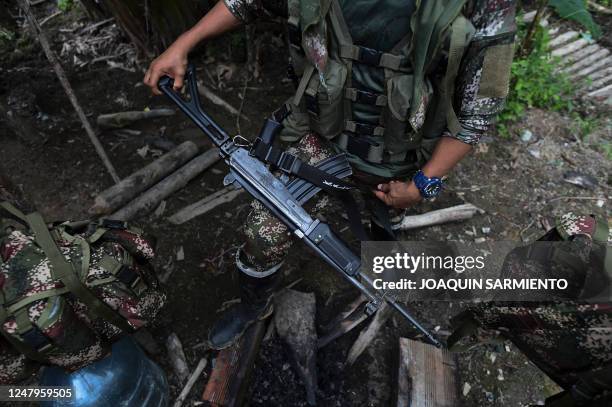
(569, 340)
(68, 291)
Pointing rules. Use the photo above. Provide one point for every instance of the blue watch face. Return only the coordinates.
(432, 189)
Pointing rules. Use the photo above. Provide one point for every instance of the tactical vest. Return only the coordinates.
(416, 110)
(67, 290)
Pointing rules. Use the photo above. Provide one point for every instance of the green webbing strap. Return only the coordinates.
(427, 34)
(63, 271)
(308, 71)
(601, 235)
(36, 297)
(13, 211)
(461, 33)
(601, 232)
(351, 125)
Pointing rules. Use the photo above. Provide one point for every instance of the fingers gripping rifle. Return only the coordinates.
(285, 200)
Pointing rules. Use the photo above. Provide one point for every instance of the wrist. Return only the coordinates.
(186, 42)
(428, 187)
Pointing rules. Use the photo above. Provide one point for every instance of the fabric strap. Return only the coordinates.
(63, 271)
(461, 34)
(292, 165)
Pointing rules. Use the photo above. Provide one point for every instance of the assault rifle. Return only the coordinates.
(284, 198)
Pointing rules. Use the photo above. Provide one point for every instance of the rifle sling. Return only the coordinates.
(292, 165)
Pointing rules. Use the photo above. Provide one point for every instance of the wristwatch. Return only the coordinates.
(429, 187)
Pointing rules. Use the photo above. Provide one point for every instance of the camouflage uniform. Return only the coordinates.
(267, 239)
(323, 112)
(569, 337)
(78, 336)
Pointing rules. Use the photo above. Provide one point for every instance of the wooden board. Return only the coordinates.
(426, 377)
(230, 377)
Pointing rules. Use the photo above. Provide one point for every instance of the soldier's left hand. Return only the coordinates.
(397, 194)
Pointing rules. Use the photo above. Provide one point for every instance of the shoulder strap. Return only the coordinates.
(461, 34)
(63, 271)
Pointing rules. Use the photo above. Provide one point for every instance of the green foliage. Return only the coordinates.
(576, 10)
(535, 83)
(64, 5)
(607, 150)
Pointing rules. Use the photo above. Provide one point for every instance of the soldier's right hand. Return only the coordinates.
(173, 62)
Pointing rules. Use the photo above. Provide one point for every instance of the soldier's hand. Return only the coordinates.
(400, 195)
(173, 62)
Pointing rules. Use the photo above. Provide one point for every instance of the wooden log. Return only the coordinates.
(452, 214)
(189, 385)
(151, 198)
(294, 318)
(119, 194)
(367, 335)
(426, 377)
(229, 378)
(122, 119)
(177, 357)
(61, 75)
(205, 205)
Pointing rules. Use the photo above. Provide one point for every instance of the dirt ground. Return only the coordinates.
(518, 184)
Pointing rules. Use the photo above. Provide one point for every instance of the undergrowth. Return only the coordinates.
(537, 83)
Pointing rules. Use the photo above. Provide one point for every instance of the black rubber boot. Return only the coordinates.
(256, 304)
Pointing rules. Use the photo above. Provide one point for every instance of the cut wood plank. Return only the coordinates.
(601, 93)
(205, 205)
(367, 335)
(600, 74)
(229, 378)
(579, 55)
(601, 53)
(426, 377)
(452, 214)
(600, 83)
(592, 68)
(569, 48)
(177, 180)
(563, 39)
(119, 194)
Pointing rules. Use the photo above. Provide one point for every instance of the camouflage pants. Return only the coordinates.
(267, 238)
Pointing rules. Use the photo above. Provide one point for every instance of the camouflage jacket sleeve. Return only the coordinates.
(249, 10)
(481, 86)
